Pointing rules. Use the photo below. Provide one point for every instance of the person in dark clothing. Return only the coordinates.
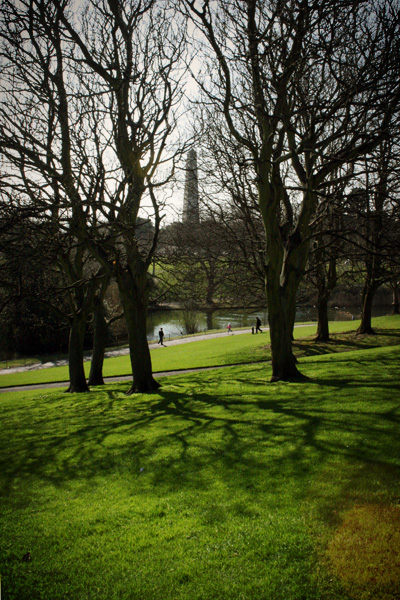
(161, 337)
(258, 325)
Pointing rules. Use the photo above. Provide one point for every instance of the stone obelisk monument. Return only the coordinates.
(191, 198)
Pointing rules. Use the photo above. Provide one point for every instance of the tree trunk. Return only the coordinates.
(281, 321)
(323, 321)
(134, 293)
(210, 273)
(77, 378)
(286, 257)
(395, 303)
(209, 314)
(326, 281)
(368, 295)
(99, 343)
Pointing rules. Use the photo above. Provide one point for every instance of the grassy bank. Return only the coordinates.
(228, 350)
(218, 486)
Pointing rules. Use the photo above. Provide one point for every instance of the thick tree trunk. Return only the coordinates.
(323, 321)
(286, 256)
(77, 378)
(368, 295)
(134, 293)
(99, 343)
(287, 251)
(281, 310)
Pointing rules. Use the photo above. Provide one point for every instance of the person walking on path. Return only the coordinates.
(161, 337)
(229, 328)
(258, 325)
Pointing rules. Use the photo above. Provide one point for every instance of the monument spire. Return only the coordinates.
(191, 198)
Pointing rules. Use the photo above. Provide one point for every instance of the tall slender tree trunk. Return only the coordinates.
(99, 343)
(367, 299)
(210, 272)
(327, 280)
(209, 316)
(395, 303)
(77, 378)
(134, 294)
(82, 305)
(323, 321)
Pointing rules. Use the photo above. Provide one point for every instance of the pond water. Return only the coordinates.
(172, 321)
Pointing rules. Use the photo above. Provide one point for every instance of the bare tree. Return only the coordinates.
(92, 111)
(230, 200)
(327, 250)
(130, 56)
(312, 85)
(373, 207)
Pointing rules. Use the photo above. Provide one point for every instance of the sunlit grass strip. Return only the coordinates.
(233, 349)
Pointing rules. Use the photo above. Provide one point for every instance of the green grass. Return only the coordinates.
(227, 350)
(218, 486)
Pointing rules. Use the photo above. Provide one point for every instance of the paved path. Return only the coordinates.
(121, 352)
(64, 384)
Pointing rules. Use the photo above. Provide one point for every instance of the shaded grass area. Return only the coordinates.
(217, 486)
(230, 350)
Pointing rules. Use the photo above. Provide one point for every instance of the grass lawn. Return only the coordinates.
(228, 350)
(218, 486)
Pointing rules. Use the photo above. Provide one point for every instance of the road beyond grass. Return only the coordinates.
(219, 485)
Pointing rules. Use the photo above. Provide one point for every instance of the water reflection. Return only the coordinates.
(172, 320)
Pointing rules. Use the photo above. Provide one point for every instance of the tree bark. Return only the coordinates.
(327, 279)
(134, 293)
(209, 318)
(210, 273)
(286, 257)
(368, 295)
(99, 343)
(77, 378)
(395, 303)
(323, 321)
(281, 321)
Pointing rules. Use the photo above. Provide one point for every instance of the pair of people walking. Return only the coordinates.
(258, 326)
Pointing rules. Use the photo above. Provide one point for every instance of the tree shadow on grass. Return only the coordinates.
(343, 342)
(225, 427)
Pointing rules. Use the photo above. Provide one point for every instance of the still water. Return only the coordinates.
(173, 324)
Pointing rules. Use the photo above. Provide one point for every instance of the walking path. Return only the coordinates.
(121, 352)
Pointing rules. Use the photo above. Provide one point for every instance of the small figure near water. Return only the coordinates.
(229, 328)
(258, 325)
(161, 337)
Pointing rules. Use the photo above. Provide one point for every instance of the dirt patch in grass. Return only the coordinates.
(364, 553)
